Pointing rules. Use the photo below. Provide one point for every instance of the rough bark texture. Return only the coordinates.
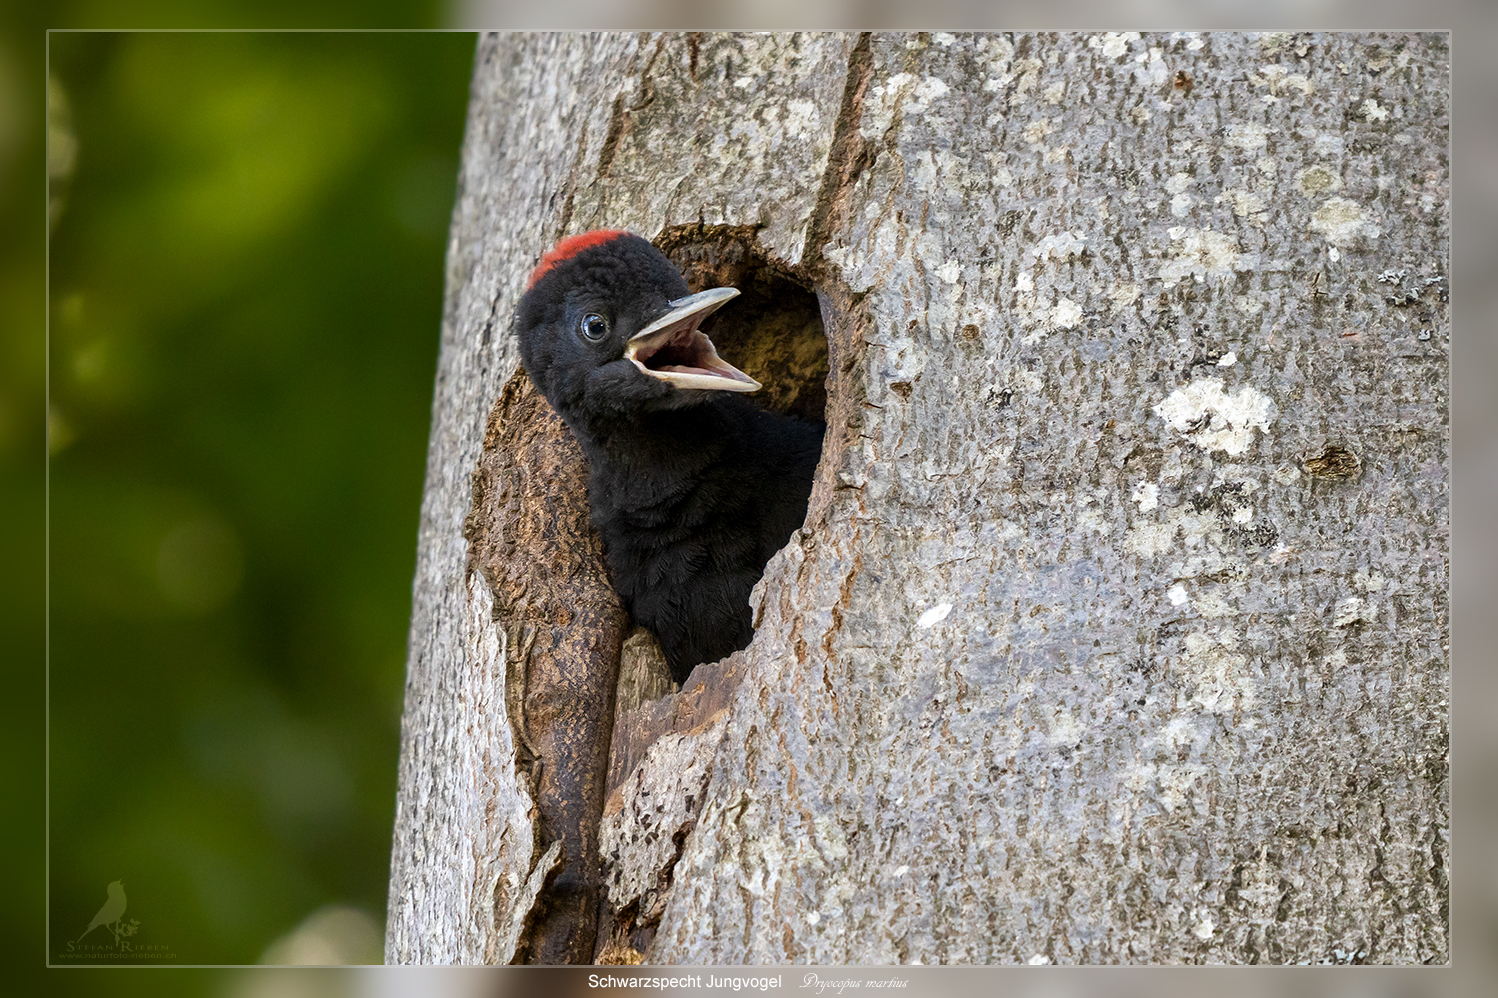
(1117, 631)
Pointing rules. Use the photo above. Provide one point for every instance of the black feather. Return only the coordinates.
(692, 490)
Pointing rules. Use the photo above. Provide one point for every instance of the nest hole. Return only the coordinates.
(773, 331)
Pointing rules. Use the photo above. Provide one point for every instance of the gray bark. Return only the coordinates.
(1118, 629)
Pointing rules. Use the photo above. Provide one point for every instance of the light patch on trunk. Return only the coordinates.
(1342, 221)
(1114, 44)
(933, 616)
(1146, 494)
(1213, 419)
(1248, 136)
(1169, 785)
(1246, 204)
(1352, 610)
(1124, 293)
(1149, 539)
(1066, 730)
(1036, 131)
(1066, 314)
(1059, 247)
(1318, 180)
(1203, 253)
(1221, 677)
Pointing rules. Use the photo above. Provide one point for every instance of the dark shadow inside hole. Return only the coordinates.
(772, 331)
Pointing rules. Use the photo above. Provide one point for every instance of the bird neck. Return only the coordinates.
(679, 441)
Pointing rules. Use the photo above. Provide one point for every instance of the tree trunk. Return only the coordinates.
(1117, 630)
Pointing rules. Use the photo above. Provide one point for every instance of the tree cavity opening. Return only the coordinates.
(773, 331)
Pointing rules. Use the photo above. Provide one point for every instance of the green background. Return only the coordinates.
(243, 306)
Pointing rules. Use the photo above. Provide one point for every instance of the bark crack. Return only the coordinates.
(618, 126)
(846, 160)
(570, 186)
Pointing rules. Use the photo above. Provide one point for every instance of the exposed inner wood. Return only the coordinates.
(530, 539)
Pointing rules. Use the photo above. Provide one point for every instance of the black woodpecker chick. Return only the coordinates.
(692, 487)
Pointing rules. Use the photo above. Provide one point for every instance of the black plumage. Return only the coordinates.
(692, 487)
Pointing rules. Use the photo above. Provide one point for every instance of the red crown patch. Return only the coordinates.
(569, 248)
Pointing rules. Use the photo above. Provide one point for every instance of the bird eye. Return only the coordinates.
(594, 327)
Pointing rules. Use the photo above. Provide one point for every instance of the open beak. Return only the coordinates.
(673, 349)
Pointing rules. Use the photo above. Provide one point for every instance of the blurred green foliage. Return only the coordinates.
(245, 292)
(23, 232)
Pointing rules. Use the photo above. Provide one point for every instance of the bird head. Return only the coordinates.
(608, 327)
